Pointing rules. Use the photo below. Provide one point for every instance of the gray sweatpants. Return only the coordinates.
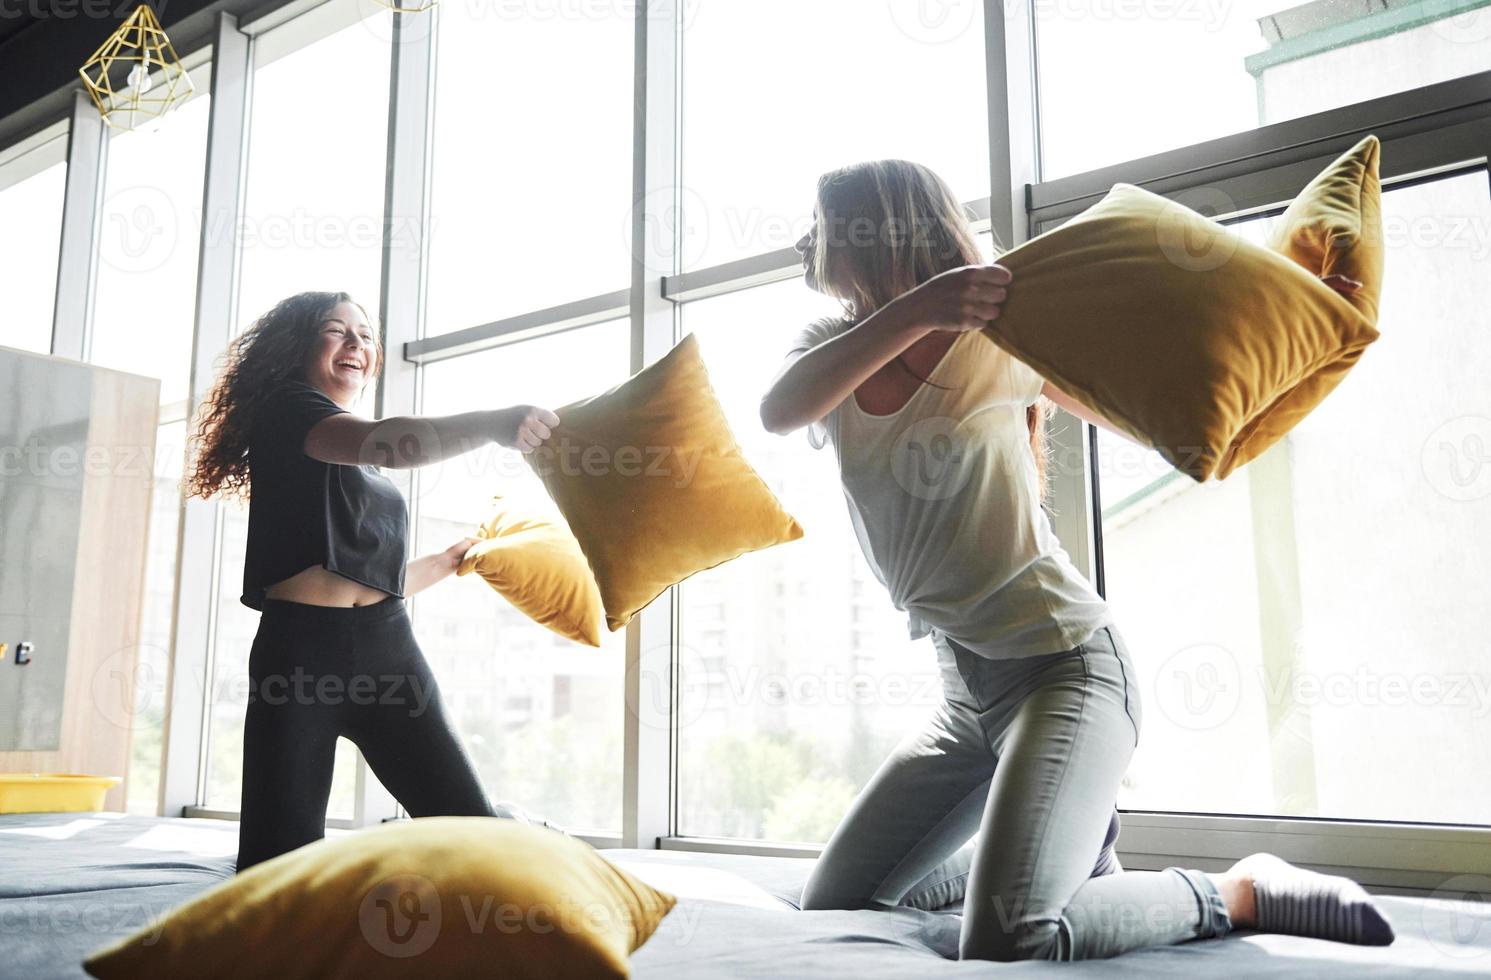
(1028, 753)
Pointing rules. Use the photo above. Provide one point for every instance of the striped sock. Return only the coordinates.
(1299, 902)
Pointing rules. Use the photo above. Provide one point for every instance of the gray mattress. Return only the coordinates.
(70, 883)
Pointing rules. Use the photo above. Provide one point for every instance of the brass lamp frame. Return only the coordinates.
(141, 42)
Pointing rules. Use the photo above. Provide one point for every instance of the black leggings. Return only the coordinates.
(318, 672)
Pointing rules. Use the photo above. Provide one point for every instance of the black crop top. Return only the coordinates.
(349, 519)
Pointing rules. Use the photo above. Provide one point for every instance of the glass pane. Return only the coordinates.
(1116, 84)
(532, 146)
(313, 219)
(31, 214)
(777, 92)
(236, 625)
(149, 233)
(313, 210)
(540, 715)
(147, 721)
(797, 676)
(1271, 628)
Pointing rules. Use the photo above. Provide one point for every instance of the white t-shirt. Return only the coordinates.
(943, 496)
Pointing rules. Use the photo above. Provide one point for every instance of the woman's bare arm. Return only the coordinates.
(423, 572)
(814, 382)
(406, 441)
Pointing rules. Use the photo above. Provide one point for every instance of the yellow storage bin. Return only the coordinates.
(53, 792)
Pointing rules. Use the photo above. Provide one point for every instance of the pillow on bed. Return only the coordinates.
(654, 485)
(537, 565)
(1191, 339)
(432, 897)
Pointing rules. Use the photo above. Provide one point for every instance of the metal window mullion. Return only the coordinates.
(401, 299)
(516, 329)
(1009, 63)
(1387, 857)
(189, 684)
(77, 255)
(1432, 126)
(1014, 165)
(1414, 858)
(730, 845)
(648, 717)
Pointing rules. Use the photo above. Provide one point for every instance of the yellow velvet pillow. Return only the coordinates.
(1333, 227)
(537, 565)
(432, 897)
(654, 485)
(1193, 340)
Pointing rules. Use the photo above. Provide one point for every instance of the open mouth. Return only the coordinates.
(349, 365)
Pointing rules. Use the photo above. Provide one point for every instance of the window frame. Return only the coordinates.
(25, 158)
(1440, 128)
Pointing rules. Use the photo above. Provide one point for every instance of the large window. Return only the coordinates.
(318, 133)
(540, 715)
(1120, 81)
(31, 186)
(777, 92)
(1308, 620)
(1316, 619)
(531, 159)
(797, 674)
(144, 314)
(313, 220)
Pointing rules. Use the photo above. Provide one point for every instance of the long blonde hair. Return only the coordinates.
(885, 227)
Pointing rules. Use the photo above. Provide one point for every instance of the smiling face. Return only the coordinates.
(343, 357)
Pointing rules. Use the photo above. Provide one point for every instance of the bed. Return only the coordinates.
(71, 882)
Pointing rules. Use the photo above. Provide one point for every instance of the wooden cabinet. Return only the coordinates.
(77, 463)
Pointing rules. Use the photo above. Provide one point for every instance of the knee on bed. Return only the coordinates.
(819, 894)
(819, 899)
(1027, 938)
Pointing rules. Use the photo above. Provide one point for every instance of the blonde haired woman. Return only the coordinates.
(939, 439)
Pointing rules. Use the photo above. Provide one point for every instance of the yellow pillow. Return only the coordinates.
(1191, 339)
(654, 485)
(538, 566)
(432, 897)
(1334, 225)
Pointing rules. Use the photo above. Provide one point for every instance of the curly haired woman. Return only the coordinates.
(335, 654)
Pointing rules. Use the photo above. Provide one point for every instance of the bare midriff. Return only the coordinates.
(315, 586)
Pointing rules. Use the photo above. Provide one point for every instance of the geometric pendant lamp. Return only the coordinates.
(118, 76)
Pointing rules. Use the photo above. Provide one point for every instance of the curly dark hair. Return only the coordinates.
(272, 351)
